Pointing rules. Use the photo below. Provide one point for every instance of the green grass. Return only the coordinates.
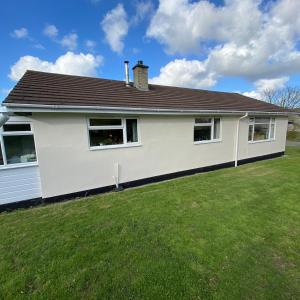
(228, 234)
(293, 136)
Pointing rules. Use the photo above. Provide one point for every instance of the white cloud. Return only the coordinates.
(262, 85)
(38, 46)
(143, 9)
(50, 31)
(90, 44)
(253, 94)
(70, 41)
(251, 40)
(271, 84)
(186, 73)
(115, 27)
(21, 33)
(69, 63)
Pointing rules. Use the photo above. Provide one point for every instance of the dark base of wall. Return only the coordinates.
(135, 183)
(258, 158)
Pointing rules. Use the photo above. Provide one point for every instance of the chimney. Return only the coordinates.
(140, 76)
(126, 63)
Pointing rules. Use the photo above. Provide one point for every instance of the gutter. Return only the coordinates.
(237, 139)
(15, 107)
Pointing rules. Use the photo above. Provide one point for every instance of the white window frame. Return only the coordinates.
(122, 126)
(212, 124)
(253, 122)
(16, 133)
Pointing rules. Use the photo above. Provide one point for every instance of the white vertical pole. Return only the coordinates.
(126, 62)
(116, 174)
(237, 139)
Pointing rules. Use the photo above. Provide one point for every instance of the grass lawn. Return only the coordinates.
(228, 234)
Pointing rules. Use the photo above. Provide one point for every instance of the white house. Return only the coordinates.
(70, 136)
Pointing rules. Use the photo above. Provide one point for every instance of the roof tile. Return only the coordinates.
(42, 88)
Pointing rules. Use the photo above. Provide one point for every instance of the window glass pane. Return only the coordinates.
(106, 137)
(217, 128)
(273, 120)
(262, 120)
(250, 132)
(131, 126)
(203, 120)
(202, 133)
(261, 132)
(272, 131)
(16, 127)
(1, 156)
(19, 149)
(105, 122)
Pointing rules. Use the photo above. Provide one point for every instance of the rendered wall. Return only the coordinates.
(67, 164)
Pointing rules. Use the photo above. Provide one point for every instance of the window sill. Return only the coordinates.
(207, 142)
(262, 141)
(20, 165)
(115, 146)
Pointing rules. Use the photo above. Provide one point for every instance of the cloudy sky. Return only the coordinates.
(242, 46)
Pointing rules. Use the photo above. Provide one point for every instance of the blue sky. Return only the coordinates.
(231, 45)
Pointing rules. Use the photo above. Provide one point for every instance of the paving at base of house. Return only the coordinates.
(293, 144)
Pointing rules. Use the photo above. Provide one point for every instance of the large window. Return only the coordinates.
(261, 129)
(207, 129)
(112, 132)
(17, 144)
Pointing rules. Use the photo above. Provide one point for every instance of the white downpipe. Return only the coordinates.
(3, 118)
(116, 175)
(126, 64)
(237, 139)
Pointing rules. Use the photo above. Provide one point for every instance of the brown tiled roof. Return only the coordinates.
(41, 88)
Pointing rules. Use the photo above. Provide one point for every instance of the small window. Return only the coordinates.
(106, 137)
(17, 144)
(261, 129)
(250, 134)
(272, 131)
(217, 128)
(109, 132)
(207, 129)
(16, 127)
(131, 127)
(202, 120)
(261, 132)
(105, 122)
(19, 149)
(262, 120)
(202, 133)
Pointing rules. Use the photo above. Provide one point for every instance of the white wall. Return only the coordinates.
(67, 165)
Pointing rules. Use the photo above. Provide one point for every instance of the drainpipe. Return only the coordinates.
(3, 118)
(237, 139)
(126, 64)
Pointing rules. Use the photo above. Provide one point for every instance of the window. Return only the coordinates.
(112, 132)
(131, 127)
(207, 129)
(17, 144)
(261, 129)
